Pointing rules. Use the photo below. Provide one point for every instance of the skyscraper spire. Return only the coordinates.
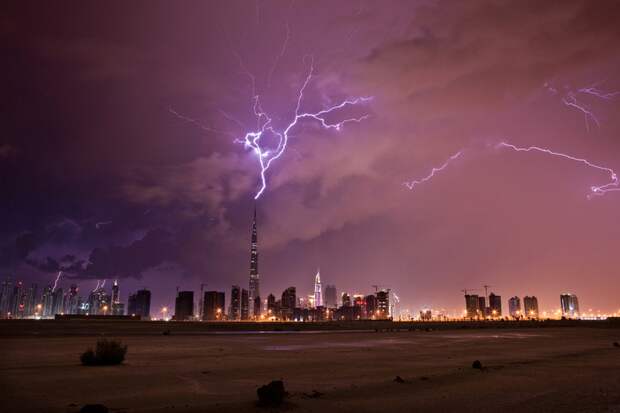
(318, 291)
(254, 290)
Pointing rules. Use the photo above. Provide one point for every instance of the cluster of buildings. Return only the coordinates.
(19, 301)
(245, 305)
(476, 307)
(324, 304)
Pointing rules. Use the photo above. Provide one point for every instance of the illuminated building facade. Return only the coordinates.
(514, 307)
(570, 305)
(346, 300)
(472, 306)
(245, 304)
(118, 308)
(234, 311)
(383, 304)
(530, 306)
(495, 305)
(318, 291)
(254, 285)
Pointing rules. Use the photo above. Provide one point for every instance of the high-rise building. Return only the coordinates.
(360, 302)
(514, 307)
(71, 300)
(213, 305)
(570, 305)
(184, 306)
(117, 307)
(426, 314)
(47, 302)
(495, 305)
(234, 311)
(6, 295)
(258, 307)
(346, 300)
(472, 305)
(288, 303)
(331, 296)
(383, 304)
(482, 307)
(318, 290)
(245, 304)
(31, 301)
(371, 305)
(271, 305)
(140, 304)
(18, 301)
(99, 302)
(530, 306)
(58, 300)
(254, 286)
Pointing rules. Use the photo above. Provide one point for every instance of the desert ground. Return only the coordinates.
(568, 369)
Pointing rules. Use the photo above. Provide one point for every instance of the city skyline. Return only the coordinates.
(52, 301)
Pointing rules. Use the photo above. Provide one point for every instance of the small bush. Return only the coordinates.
(107, 353)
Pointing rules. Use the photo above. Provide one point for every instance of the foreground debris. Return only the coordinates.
(272, 394)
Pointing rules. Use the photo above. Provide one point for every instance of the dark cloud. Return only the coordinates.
(18, 249)
(131, 261)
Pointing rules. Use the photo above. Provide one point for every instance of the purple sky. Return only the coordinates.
(89, 136)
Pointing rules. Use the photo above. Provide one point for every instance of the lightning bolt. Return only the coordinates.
(412, 184)
(571, 99)
(102, 284)
(613, 185)
(97, 287)
(280, 55)
(56, 281)
(265, 156)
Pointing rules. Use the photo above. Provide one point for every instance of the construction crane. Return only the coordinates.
(466, 290)
(383, 287)
(486, 291)
(201, 300)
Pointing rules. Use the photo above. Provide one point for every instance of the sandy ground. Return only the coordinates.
(537, 370)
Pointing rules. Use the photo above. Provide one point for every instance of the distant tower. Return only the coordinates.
(115, 293)
(530, 305)
(514, 307)
(318, 297)
(570, 305)
(331, 297)
(254, 290)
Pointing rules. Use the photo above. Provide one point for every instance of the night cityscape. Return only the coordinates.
(324, 304)
(310, 206)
